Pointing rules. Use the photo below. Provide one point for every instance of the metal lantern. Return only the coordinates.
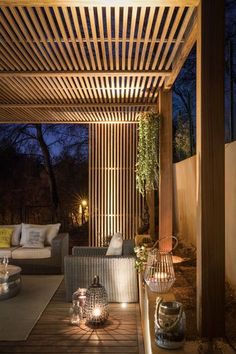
(96, 304)
(159, 272)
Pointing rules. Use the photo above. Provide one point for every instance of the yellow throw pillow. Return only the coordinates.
(5, 237)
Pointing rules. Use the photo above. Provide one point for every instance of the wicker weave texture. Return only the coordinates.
(116, 273)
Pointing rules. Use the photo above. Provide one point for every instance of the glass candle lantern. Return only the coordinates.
(159, 272)
(80, 296)
(170, 323)
(75, 313)
(96, 304)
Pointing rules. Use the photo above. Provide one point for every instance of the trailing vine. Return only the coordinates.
(147, 166)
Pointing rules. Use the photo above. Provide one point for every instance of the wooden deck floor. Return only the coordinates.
(53, 334)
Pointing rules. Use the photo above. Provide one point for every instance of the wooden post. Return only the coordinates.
(151, 209)
(210, 170)
(166, 173)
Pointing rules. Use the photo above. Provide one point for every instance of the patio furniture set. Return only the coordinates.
(41, 249)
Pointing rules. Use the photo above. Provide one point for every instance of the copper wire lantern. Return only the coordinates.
(159, 272)
(96, 304)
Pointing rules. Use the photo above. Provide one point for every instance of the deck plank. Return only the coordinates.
(54, 334)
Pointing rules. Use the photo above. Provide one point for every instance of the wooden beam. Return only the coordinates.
(151, 209)
(166, 174)
(76, 105)
(95, 3)
(210, 170)
(182, 54)
(91, 73)
(91, 40)
(53, 121)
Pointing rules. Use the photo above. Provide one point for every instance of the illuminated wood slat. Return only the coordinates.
(49, 54)
(99, 39)
(54, 51)
(97, 3)
(8, 61)
(109, 36)
(79, 37)
(163, 36)
(76, 55)
(149, 54)
(171, 36)
(180, 36)
(68, 48)
(56, 35)
(64, 106)
(15, 49)
(140, 30)
(113, 193)
(73, 39)
(86, 32)
(27, 31)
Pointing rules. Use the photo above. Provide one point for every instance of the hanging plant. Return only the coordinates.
(147, 166)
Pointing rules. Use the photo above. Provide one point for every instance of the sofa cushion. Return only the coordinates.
(15, 240)
(32, 253)
(7, 252)
(51, 232)
(5, 237)
(35, 237)
(115, 246)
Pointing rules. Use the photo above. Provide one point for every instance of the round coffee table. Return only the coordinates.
(10, 281)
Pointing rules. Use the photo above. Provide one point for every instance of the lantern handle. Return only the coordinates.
(156, 318)
(164, 238)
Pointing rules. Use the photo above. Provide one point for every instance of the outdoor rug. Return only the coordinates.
(19, 314)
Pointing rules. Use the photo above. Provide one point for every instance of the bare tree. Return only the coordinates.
(44, 142)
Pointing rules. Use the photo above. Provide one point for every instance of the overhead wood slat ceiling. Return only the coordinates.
(87, 63)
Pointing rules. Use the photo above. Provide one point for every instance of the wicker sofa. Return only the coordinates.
(50, 265)
(33, 265)
(116, 273)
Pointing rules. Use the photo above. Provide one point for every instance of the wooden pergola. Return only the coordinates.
(71, 61)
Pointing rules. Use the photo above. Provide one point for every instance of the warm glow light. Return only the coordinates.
(124, 305)
(84, 203)
(96, 312)
(177, 259)
(160, 276)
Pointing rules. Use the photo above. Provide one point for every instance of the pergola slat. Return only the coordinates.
(182, 54)
(171, 36)
(73, 105)
(180, 35)
(83, 73)
(70, 53)
(104, 3)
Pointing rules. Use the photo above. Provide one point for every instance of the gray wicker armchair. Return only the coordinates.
(116, 273)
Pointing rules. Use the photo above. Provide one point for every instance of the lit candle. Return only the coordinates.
(160, 276)
(96, 312)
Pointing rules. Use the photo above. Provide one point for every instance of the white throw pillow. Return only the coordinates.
(115, 246)
(51, 232)
(35, 237)
(15, 239)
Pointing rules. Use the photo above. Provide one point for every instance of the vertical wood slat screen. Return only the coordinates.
(115, 205)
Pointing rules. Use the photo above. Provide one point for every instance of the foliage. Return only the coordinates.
(184, 97)
(147, 166)
(141, 257)
(182, 139)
